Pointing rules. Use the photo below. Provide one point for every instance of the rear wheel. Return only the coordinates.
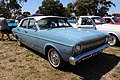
(54, 58)
(113, 40)
(19, 42)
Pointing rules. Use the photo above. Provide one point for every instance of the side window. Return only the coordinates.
(24, 23)
(44, 23)
(86, 21)
(32, 25)
(62, 23)
(47, 23)
(108, 20)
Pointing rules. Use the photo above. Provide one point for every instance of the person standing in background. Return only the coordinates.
(4, 28)
(19, 17)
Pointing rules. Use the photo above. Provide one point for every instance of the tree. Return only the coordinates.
(70, 8)
(3, 10)
(26, 14)
(92, 7)
(85, 7)
(7, 7)
(116, 14)
(51, 7)
(103, 6)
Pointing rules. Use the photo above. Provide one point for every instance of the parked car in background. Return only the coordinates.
(112, 20)
(118, 18)
(83, 23)
(54, 37)
(100, 24)
(72, 19)
(11, 24)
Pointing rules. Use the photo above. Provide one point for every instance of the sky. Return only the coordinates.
(32, 5)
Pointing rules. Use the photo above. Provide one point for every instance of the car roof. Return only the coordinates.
(41, 17)
(90, 16)
(10, 19)
(108, 17)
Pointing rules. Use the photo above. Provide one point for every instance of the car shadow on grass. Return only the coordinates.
(90, 69)
(94, 68)
(36, 52)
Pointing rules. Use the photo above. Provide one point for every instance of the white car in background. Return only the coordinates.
(96, 22)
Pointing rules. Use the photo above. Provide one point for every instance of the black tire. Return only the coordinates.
(113, 40)
(54, 58)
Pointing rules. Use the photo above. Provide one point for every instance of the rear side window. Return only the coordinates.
(115, 19)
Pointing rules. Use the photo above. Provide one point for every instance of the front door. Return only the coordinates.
(31, 34)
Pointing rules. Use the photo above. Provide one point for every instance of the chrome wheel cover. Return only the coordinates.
(112, 41)
(54, 58)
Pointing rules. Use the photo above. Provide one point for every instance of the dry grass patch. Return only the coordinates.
(21, 63)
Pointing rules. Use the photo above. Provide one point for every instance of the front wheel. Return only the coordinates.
(113, 40)
(54, 58)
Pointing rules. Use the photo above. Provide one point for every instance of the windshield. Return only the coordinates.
(115, 19)
(98, 20)
(72, 20)
(53, 23)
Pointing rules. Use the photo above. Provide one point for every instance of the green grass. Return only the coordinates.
(20, 63)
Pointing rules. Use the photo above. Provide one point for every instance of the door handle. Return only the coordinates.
(25, 31)
(18, 29)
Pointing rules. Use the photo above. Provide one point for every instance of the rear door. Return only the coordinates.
(22, 31)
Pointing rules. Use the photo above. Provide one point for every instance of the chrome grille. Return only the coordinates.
(92, 44)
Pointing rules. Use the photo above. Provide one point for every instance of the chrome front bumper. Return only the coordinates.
(83, 56)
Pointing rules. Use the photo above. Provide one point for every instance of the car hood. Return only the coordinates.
(109, 26)
(117, 23)
(73, 36)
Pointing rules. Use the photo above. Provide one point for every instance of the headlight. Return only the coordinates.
(77, 49)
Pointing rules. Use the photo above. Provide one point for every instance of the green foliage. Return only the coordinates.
(54, 7)
(26, 14)
(116, 14)
(51, 7)
(92, 7)
(3, 10)
(104, 6)
(7, 7)
(70, 8)
(85, 7)
(79, 7)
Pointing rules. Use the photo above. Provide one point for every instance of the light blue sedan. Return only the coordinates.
(54, 37)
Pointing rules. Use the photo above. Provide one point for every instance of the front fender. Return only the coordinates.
(64, 51)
